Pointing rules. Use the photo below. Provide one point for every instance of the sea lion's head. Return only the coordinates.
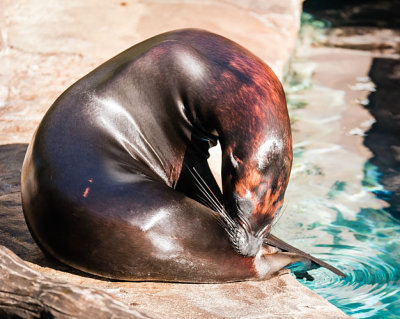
(255, 178)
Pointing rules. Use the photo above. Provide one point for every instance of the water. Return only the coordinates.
(370, 261)
(337, 208)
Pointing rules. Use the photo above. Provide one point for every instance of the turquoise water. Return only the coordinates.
(370, 261)
(337, 209)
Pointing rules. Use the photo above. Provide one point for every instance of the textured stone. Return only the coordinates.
(26, 293)
(365, 38)
(48, 45)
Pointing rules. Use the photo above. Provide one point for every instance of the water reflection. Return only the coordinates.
(383, 139)
(344, 195)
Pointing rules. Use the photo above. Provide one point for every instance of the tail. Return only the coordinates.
(278, 243)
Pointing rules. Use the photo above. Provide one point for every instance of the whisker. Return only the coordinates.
(262, 231)
(204, 202)
(208, 188)
(208, 201)
(215, 205)
(245, 223)
(205, 189)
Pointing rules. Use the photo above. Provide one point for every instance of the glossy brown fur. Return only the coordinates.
(252, 108)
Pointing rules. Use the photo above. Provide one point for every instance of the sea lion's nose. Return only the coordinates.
(253, 245)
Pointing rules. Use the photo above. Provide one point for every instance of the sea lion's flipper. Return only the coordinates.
(278, 243)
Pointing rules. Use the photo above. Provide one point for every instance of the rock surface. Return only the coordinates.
(47, 45)
(361, 25)
(26, 293)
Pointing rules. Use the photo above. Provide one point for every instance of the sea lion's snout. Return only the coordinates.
(247, 237)
(251, 198)
(245, 242)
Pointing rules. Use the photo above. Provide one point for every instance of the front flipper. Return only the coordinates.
(271, 240)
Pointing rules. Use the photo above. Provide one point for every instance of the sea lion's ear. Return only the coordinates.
(234, 160)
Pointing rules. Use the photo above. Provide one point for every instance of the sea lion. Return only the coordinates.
(115, 181)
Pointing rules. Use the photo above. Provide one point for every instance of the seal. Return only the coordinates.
(115, 181)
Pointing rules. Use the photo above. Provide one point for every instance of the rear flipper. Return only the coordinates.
(300, 268)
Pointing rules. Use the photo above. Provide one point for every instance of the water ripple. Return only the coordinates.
(371, 285)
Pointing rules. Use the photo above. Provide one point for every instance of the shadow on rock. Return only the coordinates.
(14, 233)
